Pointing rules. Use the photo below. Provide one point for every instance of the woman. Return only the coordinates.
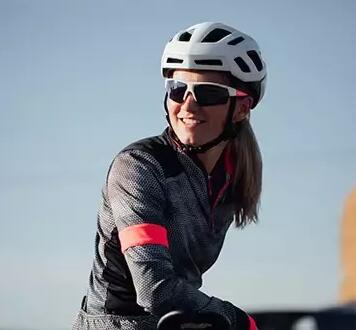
(169, 200)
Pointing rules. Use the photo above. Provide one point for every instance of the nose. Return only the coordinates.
(189, 104)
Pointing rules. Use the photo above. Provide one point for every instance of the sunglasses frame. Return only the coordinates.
(191, 84)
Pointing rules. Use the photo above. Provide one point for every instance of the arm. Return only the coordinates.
(137, 197)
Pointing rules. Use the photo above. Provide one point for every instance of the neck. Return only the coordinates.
(210, 157)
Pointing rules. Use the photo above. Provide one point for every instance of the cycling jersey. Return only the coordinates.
(161, 225)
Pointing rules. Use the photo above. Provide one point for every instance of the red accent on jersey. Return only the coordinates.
(253, 325)
(143, 234)
(229, 163)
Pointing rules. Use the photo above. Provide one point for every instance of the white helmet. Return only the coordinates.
(215, 46)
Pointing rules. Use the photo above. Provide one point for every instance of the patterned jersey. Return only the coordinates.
(161, 225)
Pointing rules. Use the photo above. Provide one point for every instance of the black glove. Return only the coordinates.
(176, 320)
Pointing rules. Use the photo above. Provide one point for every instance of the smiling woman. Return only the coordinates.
(169, 200)
(194, 121)
(199, 116)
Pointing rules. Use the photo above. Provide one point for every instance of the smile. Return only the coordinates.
(191, 121)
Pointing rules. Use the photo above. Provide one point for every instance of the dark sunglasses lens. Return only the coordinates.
(176, 91)
(211, 95)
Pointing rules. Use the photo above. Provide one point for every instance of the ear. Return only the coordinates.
(242, 109)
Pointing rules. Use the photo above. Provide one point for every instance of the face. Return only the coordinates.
(194, 124)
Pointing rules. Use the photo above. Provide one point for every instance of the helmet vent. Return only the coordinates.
(216, 35)
(208, 62)
(236, 41)
(242, 64)
(255, 59)
(185, 36)
(174, 60)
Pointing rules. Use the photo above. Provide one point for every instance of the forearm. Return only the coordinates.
(160, 290)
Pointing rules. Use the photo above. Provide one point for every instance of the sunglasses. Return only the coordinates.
(204, 93)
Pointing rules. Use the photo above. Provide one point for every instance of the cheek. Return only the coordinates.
(173, 108)
(217, 114)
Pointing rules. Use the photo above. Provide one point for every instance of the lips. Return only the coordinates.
(191, 121)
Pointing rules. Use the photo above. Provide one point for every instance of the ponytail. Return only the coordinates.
(247, 180)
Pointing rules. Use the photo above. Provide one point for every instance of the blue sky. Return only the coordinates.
(80, 80)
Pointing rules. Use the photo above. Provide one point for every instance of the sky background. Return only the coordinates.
(79, 80)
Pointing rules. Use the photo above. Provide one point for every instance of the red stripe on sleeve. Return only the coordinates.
(143, 234)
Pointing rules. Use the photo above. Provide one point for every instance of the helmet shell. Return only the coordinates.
(218, 47)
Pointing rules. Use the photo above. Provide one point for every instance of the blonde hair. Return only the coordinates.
(247, 180)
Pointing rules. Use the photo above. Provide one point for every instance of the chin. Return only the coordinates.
(187, 139)
(190, 138)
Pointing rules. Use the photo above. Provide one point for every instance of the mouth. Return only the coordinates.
(191, 121)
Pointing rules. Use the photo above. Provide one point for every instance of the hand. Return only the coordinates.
(176, 320)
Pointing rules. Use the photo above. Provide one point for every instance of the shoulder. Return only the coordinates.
(155, 152)
(153, 145)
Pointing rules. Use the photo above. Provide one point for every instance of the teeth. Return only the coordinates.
(190, 121)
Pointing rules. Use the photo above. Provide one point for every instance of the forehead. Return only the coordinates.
(201, 75)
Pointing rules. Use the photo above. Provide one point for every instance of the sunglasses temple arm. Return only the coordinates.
(240, 93)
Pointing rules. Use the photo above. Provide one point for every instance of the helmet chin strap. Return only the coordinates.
(230, 131)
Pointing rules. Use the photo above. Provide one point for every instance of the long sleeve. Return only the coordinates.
(138, 198)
